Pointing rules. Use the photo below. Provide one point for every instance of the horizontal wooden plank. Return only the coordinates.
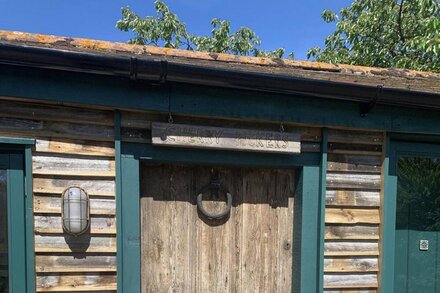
(349, 163)
(136, 135)
(53, 225)
(335, 248)
(349, 290)
(67, 243)
(355, 137)
(92, 187)
(353, 181)
(76, 282)
(352, 253)
(75, 263)
(355, 232)
(77, 147)
(352, 198)
(368, 280)
(71, 166)
(352, 216)
(354, 149)
(138, 120)
(350, 264)
(52, 205)
(48, 112)
(33, 128)
(310, 147)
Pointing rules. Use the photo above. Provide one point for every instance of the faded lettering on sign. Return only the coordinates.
(224, 138)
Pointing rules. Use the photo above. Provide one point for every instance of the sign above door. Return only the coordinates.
(235, 139)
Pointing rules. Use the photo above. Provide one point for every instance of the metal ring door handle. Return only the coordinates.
(213, 216)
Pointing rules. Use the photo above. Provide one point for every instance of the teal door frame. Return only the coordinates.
(308, 240)
(16, 158)
(396, 147)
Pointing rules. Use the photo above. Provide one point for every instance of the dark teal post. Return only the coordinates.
(323, 189)
(306, 263)
(130, 224)
(17, 224)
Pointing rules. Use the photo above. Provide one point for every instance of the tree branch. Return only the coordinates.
(402, 37)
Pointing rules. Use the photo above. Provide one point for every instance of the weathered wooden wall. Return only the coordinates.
(74, 147)
(352, 217)
(182, 251)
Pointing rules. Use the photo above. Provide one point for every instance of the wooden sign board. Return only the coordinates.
(190, 136)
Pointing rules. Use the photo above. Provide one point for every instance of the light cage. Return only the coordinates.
(75, 211)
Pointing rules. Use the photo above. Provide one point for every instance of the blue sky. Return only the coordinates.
(293, 24)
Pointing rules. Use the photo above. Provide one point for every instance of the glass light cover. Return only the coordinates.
(75, 210)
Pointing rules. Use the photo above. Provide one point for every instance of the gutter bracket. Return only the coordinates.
(365, 108)
(163, 71)
(133, 69)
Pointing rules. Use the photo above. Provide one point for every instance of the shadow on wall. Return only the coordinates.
(79, 244)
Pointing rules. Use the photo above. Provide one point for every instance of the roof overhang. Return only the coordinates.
(162, 69)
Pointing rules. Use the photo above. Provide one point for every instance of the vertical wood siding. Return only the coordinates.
(352, 217)
(74, 147)
(251, 251)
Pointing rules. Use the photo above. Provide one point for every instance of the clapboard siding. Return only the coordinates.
(51, 204)
(53, 129)
(73, 166)
(348, 231)
(72, 282)
(350, 291)
(352, 219)
(71, 263)
(57, 184)
(74, 147)
(52, 224)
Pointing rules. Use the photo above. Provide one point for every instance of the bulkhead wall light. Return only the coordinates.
(75, 211)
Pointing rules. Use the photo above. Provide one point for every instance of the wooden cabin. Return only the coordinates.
(142, 169)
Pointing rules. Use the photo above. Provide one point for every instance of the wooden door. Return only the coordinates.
(183, 251)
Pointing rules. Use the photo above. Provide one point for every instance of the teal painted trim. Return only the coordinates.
(425, 138)
(4, 161)
(225, 158)
(321, 215)
(307, 206)
(395, 149)
(29, 215)
(388, 217)
(16, 225)
(20, 221)
(17, 141)
(306, 263)
(130, 193)
(89, 89)
(69, 87)
(118, 179)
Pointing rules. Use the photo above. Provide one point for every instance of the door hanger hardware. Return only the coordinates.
(214, 187)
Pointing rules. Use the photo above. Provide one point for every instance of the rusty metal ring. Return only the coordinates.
(214, 216)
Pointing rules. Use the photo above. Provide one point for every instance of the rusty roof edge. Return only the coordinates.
(105, 47)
